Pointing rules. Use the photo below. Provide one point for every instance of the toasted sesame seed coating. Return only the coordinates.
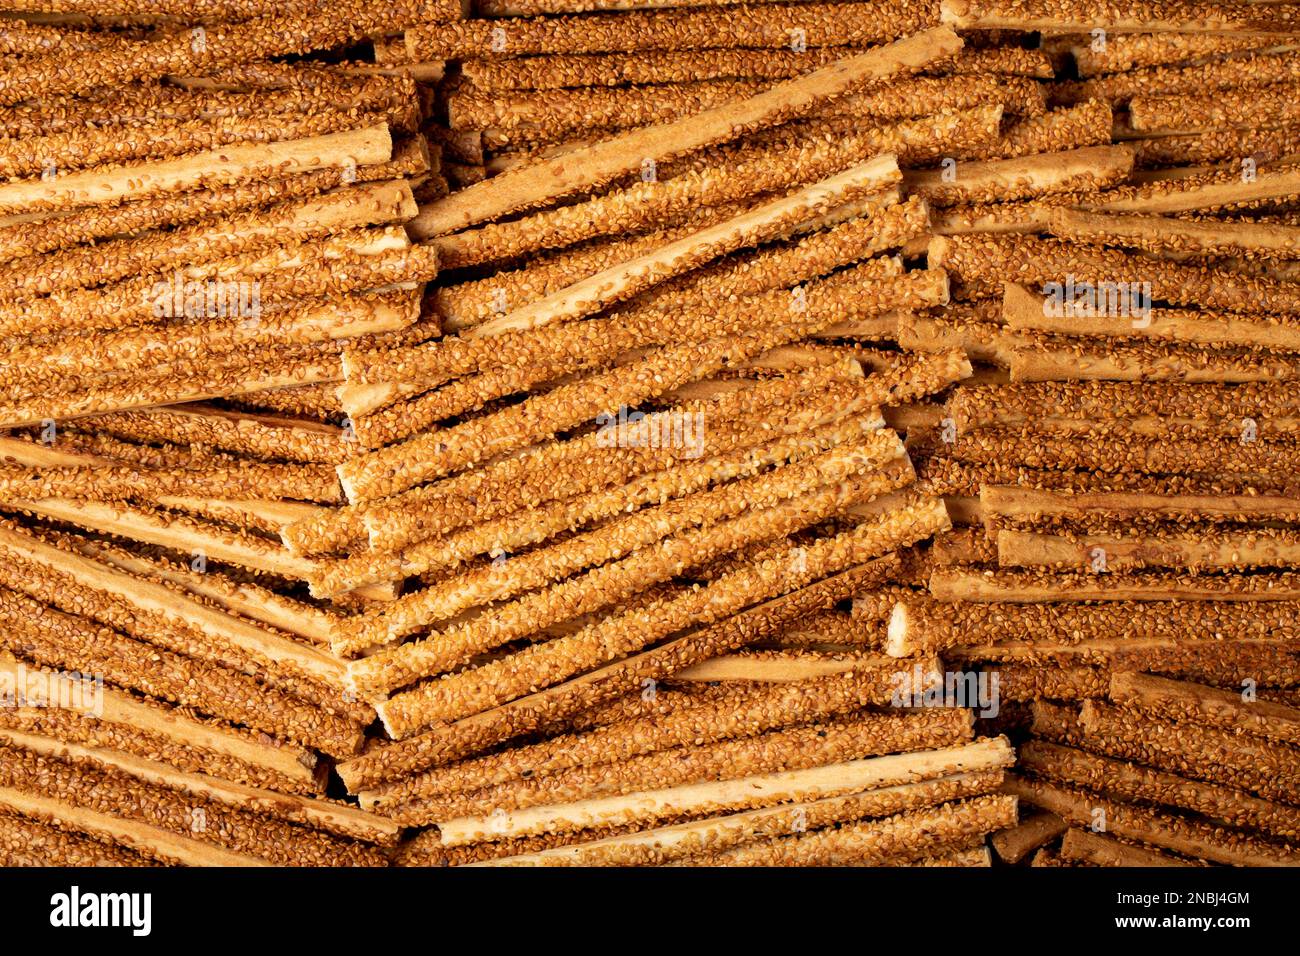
(1243, 762)
(749, 26)
(1077, 768)
(905, 836)
(540, 665)
(1192, 836)
(851, 738)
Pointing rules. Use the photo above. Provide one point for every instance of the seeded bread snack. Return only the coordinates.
(607, 432)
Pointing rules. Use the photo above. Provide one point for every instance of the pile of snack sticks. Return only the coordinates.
(574, 432)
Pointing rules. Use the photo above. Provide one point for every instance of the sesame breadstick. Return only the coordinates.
(1086, 124)
(1019, 405)
(554, 470)
(980, 261)
(1153, 363)
(158, 105)
(267, 36)
(1020, 505)
(114, 794)
(767, 222)
(171, 531)
(982, 341)
(1228, 662)
(672, 843)
(116, 707)
(1157, 233)
(1126, 53)
(204, 10)
(1108, 454)
(243, 638)
(557, 71)
(1251, 69)
(246, 433)
(386, 472)
(1125, 16)
(684, 66)
(748, 26)
(705, 197)
(1078, 768)
(1086, 847)
(905, 836)
(93, 358)
(848, 296)
(1176, 700)
(424, 513)
(1266, 547)
(576, 597)
(58, 640)
(382, 376)
(25, 38)
(555, 116)
(113, 743)
(572, 111)
(597, 164)
(246, 599)
(529, 8)
(733, 776)
(80, 149)
(1265, 144)
(350, 261)
(1216, 189)
(225, 166)
(557, 705)
(1024, 311)
(266, 517)
(1019, 682)
(49, 232)
(660, 786)
(155, 843)
(1016, 586)
(1016, 843)
(126, 483)
(887, 226)
(480, 689)
(515, 531)
(779, 666)
(734, 714)
(1080, 170)
(1190, 837)
(237, 378)
(920, 627)
(1251, 107)
(454, 646)
(28, 842)
(1242, 761)
(463, 304)
(300, 220)
(335, 818)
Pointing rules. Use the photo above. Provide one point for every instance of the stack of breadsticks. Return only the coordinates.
(194, 231)
(575, 481)
(1122, 462)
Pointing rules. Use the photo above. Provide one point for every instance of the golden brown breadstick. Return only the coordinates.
(1128, 16)
(596, 165)
(1178, 700)
(1191, 837)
